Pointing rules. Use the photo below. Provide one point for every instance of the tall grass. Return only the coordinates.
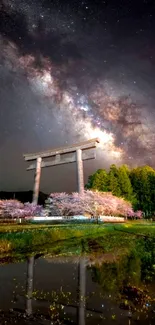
(71, 239)
(25, 238)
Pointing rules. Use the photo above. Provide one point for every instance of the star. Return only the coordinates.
(73, 71)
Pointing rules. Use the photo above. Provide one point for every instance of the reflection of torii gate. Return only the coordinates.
(64, 155)
(81, 308)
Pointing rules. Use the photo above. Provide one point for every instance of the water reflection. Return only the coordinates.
(81, 289)
(29, 287)
(74, 290)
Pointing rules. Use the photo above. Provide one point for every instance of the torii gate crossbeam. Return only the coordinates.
(77, 153)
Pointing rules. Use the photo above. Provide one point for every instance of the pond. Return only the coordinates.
(84, 290)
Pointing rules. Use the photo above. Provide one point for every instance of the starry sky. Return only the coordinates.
(71, 71)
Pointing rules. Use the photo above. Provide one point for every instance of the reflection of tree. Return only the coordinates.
(123, 280)
(113, 276)
(120, 280)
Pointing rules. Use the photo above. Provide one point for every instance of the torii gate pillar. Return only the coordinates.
(37, 180)
(79, 166)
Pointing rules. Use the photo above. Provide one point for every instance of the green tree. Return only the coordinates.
(136, 185)
(142, 179)
(125, 183)
(90, 182)
(113, 182)
(151, 177)
(98, 181)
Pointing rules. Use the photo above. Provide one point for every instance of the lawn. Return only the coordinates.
(74, 239)
(31, 238)
(146, 229)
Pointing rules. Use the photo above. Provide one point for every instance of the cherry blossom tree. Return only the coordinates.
(138, 214)
(15, 209)
(65, 204)
(93, 203)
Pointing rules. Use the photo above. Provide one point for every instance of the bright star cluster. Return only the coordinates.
(74, 107)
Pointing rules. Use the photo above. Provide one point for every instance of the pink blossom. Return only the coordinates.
(139, 214)
(93, 203)
(16, 209)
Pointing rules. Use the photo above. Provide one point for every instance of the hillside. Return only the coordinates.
(23, 196)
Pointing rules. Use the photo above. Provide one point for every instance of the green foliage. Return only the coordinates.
(130, 269)
(98, 181)
(113, 276)
(125, 183)
(113, 182)
(109, 236)
(136, 185)
(142, 180)
(30, 239)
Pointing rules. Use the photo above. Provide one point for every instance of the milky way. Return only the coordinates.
(82, 72)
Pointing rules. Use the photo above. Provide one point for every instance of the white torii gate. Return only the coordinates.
(77, 153)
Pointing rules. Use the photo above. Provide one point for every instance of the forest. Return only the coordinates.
(136, 185)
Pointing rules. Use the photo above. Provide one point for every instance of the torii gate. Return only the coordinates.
(77, 153)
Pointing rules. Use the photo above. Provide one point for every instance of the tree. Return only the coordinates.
(89, 185)
(136, 185)
(151, 178)
(93, 203)
(98, 181)
(15, 209)
(113, 183)
(125, 183)
(64, 204)
(142, 180)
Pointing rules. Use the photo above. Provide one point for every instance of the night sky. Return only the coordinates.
(70, 71)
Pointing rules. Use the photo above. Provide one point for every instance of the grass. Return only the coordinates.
(137, 229)
(18, 240)
(29, 238)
